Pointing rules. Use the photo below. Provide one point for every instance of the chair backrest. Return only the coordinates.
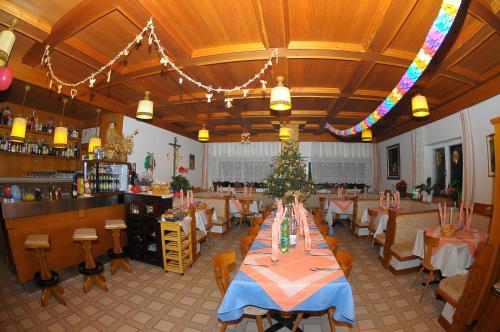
(408, 224)
(429, 243)
(257, 221)
(333, 243)
(245, 206)
(266, 213)
(253, 231)
(346, 260)
(324, 229)
(222, 262)
(219, 204)
(210, 214)
(372, 215)
(318, 218)
(322, 201)
(245, 243)
(481, 222)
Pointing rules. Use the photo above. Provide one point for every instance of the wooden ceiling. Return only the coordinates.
(340, 58)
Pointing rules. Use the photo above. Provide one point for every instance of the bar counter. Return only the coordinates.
(58, 219)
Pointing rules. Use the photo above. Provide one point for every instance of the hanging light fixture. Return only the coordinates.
(61, 132)
(7, 39)
(419, 106)
(203, 134)
(18, 132)
(285, 134)
(280, 96)
(95, 142)
(145, 108)
(366, 135)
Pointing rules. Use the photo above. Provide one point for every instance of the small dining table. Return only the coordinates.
(300, 281)
(338, 206)
(454, 254)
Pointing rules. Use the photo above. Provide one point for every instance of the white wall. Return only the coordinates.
(154, 139)
(448, 131)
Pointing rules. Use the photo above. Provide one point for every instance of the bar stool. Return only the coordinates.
(91, 269)
(117, 254)
(46, 279)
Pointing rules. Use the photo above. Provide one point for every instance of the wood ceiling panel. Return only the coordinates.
(77, 72)
(412, 34)
(480, 59)
(331, 21)
(108, 42)
(207, 24)
(382, 77)
(360, 105)
(48, 10)
(320, 72)
(124, 94)
(167, 84)
(311, 103)
(470, 27)
(22, 45)
(444, 88)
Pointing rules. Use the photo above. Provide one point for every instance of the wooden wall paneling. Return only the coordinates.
(63, 252)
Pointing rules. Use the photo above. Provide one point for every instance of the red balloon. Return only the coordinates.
(5, 78)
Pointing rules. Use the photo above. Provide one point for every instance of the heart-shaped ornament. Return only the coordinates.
(73, 93)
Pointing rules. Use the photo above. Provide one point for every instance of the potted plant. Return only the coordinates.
(426, 189)
(180, 182)
(401, 186)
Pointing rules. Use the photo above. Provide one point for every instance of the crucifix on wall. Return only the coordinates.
(176, 148)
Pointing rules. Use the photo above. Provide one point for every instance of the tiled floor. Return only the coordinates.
(152, 300)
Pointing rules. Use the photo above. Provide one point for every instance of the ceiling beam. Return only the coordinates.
(83, 14)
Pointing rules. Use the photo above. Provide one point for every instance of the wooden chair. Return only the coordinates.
(333, 243)
(266, 213)
(245, 243)
(318, 218)
(322, 203)
(314, 210)
(222, 263)
(346, 261)
(208, 227)
(429, 242)
(257, 221)
(245, 209)
(324, 229)
(253, 231)
(372, 215)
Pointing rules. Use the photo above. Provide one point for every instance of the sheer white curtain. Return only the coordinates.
(236, 162)
(468, 158)
(338, 162)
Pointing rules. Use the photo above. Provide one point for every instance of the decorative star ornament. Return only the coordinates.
(229, 102)
(209, 97)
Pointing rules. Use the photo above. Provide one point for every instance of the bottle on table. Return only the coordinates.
(285, 232)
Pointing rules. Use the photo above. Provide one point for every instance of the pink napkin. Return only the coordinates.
(365, 192)
(380, 199)
(388, 197)
(397, 197)
(468, 217)
(461, 216)
(307, 236)
(250, 191)
(442, 213)
(182, 197)
(301, 220)
(275, 238)
(191, 197)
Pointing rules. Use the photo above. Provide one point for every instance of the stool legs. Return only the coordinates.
(117, 249)
(57, 291)
(90, 280)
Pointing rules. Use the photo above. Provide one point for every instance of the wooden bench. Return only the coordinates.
(358, 228)
(402, 227)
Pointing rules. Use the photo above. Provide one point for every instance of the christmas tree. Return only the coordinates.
(288, 175)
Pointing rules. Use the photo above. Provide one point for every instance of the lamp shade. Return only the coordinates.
(145, 108)
(18, 132)
(419, 106)
(7, 39)
(60, 137)
(203, 135)
(366, 135)
(285, 134)
(94, 142)
(280, 96)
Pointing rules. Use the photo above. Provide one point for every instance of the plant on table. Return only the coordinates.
(288, 175)
(401, 186)
(180, 182)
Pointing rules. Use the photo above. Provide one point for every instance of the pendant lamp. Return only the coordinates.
(280, 96)
(7, 39)
(419, 106)
(284, 134)
(95, 142)
(145, 108)
(203, 134)
(366, 135)
(61, 132)
(18, 132)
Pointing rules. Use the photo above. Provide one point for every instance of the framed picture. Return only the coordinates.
(191, 161)
(393, 162)
(490, 153)
(88, 133)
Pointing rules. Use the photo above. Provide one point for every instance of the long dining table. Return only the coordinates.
(300, 281)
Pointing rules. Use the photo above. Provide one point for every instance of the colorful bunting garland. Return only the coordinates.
(435, 37)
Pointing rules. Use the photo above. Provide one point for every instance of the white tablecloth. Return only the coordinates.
(452, 258)
(253, 207)
(332, 210)
(201, 220)
(381, 223)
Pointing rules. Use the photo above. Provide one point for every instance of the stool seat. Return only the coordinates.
(37, 241)
(115, 224)
(82, 234)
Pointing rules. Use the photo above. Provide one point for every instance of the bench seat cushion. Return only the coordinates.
(451, 288)
(403, 250)
(360, 224)
(380, 239)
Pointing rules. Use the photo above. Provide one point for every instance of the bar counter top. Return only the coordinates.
(37, 208)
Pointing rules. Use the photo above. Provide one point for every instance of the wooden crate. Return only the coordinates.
(176, 247)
